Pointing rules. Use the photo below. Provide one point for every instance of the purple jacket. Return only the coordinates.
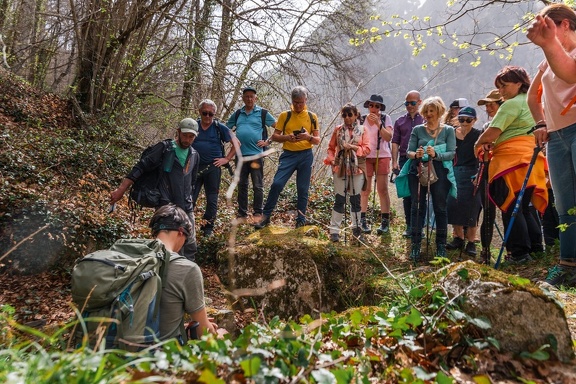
(402, 130)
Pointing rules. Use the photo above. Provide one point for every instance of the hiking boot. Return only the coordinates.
(457, 243)
(364, 225)
(384, 227)
(562, 275)
(519, 259)
(441, 250)
(415, 252)
(334, 237)
(263, 223)
(357, 236)
(407, 232)
(470, 248)
(300, 223)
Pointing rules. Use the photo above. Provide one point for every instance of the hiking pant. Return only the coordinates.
(209, 176)
(406, 201)
(255, 170)
(290, 162)
(190, 247)
(526, 234)
(351, 188)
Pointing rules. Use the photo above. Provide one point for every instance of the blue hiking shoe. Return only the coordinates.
(562, 275)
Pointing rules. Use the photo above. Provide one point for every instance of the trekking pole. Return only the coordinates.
(345, 195)
(486, 219)
(537, 150)
(374, 190)
(356, 221)
(417, 224)
(428, 206)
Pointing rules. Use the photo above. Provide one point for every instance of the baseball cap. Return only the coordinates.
(249, 88)
(459, 103)
(467, 112)
(188, 125)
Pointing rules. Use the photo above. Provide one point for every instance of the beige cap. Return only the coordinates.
(188, 125)
(491, 97)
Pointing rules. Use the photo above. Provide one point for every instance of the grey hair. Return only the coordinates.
(298, 92)
(208, 102)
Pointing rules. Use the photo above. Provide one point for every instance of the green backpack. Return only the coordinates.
(118, 292)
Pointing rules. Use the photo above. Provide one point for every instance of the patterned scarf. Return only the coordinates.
(347, 159)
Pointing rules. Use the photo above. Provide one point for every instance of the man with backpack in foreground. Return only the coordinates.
(251, 122)
(173, 167)
(144, 287)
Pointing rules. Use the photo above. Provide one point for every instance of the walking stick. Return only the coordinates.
(486, 219)
(428, 206)
(345, 194)
(417, 224)
(375, 191)
(537, 150)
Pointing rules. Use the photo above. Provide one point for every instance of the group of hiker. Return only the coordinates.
(440, 158)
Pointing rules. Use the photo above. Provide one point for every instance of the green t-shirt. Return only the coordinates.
(513, 118)
(181, 153)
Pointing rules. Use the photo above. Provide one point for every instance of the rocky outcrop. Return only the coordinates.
(523, 316)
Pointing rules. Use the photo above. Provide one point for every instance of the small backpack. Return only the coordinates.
(118, 291)
(145, 191)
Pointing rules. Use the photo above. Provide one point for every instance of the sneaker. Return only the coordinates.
(471, 248)
(562, 275)
(263, 223)
(364, 225)
(300, 223)
(441, 250)
(407, 232)
(520, 259)
(415, 252)
(384, 227)
(334, 237)
(457, 243)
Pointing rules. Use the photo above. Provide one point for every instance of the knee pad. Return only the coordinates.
(355, 202)
(339, 203)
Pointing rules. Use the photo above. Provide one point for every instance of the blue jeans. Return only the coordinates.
(561, 155)
(209, 176)
(290, 162)
(255, 170)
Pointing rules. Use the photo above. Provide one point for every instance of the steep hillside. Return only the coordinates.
(55, 175)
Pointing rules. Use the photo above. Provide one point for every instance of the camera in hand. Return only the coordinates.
(299, 131)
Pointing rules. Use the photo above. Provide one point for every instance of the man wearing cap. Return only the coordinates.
(491, 102)
(210, 142)
(299, 131)
(251, 122)
(402, 129)
(177, 180)
(378, 126)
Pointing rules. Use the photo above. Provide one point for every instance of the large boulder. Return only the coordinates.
(290, 273)
(523, 316)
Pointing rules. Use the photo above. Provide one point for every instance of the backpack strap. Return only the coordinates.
(288, 116)
(263, 115)
(313, 126)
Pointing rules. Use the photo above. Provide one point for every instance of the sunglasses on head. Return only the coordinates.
(184, 231)
(347, 114)
(412, 103)
(465, 119)
(206, 113)
(374, 106)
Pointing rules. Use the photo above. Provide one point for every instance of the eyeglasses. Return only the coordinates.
(412, 103)
(465, 119)
(374, 106)
(349, 114)
(206, 113)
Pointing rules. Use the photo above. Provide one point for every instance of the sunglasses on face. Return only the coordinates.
(374, 106)
(412, 103)
(206, 113)
(347, 114)
(465, 119)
